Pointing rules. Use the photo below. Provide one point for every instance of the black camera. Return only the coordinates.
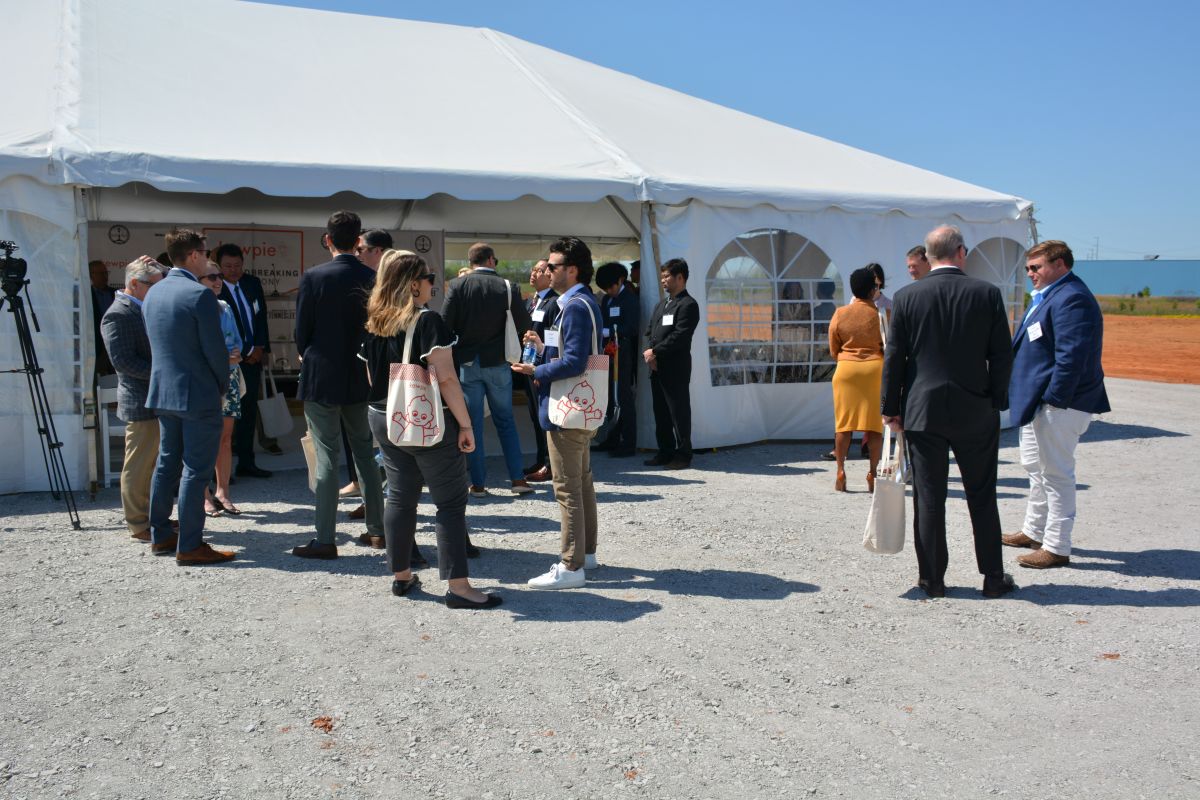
(12, 270)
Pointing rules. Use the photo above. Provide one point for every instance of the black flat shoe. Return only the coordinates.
(315, 549)
(998, 587)
(454, 601)
(401, 588)
(932, 588)
(657, 461)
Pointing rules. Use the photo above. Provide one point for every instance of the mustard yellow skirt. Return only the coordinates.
(856, 386)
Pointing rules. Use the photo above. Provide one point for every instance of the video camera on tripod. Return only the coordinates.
(12, 278)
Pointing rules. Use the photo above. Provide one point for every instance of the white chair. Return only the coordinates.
(110, 428)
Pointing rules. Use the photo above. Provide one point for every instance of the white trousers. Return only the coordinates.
(1048, 455)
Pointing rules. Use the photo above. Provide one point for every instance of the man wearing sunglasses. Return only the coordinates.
(189, 376)
(1057, 385)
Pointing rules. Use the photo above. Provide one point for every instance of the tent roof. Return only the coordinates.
(211, 95)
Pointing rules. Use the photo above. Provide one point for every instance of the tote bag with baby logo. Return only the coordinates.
(579, 403)
(414, 401)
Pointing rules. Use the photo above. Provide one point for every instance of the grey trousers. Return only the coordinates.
(325, 423)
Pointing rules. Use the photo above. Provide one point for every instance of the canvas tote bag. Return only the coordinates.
(579, 403)
(885, 522)
(414, 401)
(272, 408)
(512, 343)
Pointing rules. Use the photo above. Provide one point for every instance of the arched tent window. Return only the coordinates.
(771, 294)
(1002, 262)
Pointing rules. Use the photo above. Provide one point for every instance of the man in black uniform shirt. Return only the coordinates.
(669, 357)
(621, 318)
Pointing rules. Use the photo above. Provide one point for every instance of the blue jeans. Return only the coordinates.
(187, 453)
(496, 382)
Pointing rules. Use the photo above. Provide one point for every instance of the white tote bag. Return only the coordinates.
(414, 401)
(579, 403)
(885, 522)
(273, 408)
(512, 343)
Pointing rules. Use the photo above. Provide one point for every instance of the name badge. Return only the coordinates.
(1035, 331)
(668, 319)
(604, 332)
(538, 315)
(614, 311)
(551, 338)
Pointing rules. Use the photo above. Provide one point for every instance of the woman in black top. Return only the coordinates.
(403, 286)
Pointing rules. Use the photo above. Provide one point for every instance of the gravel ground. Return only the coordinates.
(737, 642)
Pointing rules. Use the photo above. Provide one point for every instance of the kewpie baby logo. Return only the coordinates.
(582, 399)
(419, 415)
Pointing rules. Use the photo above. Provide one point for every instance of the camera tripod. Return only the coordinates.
(12, 280)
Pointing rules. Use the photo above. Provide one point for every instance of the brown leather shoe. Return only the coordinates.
(358, 513)
(537, 476)
(204, 554)
(1019, 539)
(166, 547)
(378, 542)
(141, 536)
(1043, 559)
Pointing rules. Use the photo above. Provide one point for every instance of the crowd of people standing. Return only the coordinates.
(936, 363)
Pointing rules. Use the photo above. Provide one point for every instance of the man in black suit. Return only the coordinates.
(475, 311)
(244, 294)
(543, 313)
(622, 321)
(331, 315)
(945, 382)
(669, 357)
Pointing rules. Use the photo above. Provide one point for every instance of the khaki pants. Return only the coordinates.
(571, 463)
(141, 453)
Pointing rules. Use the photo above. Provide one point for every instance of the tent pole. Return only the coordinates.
(654, 246)
(612, 203)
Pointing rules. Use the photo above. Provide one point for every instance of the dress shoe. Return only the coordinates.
(1043, 559)
(401, 588)
(272, 447)
(678, 463)
(932, 588)
(521, 487)
(998, 587)
(537, 476)
(657, 461)
(532, 468)
(315, 549)
(830, 456)
(368, 540)
(166, 547)
(478, 491)
(1019, 539)
(204, 554)
(454, 601)
(141, 536)
(251, 471)
(358, 513)
(839, 484)
(622, 452)
(349, 490)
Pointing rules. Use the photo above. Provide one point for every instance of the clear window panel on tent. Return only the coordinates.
(1001, 261)
(771, 294)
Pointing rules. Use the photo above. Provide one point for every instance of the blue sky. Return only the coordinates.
(1090, 109)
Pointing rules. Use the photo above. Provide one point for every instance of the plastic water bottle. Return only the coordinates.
(529, 354)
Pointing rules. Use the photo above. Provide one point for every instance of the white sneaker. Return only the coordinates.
(589, 561)
(559, 577)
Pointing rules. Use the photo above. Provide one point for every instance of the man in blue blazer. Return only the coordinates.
(564, 354)
(189, 376)
(1057, 385)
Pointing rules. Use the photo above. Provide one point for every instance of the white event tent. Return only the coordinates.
(198, 112)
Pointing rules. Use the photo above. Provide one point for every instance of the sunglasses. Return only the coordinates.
(212, 276)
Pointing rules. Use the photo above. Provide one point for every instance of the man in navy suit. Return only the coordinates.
(244, 294)
(945, 381)
(564, 355)
(543, 312)
(331, 316)
(189, 376)
(1057, 385)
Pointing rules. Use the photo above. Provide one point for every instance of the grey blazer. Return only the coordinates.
(190, 371)
(124, 334)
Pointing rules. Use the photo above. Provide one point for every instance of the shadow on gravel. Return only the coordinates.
(1182, 564)
(572, 606)
(1050, 594)
(1101, 431)
(480, 523)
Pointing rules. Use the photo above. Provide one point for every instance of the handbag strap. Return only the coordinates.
(595, 324)
(888, 462)
(408, 336)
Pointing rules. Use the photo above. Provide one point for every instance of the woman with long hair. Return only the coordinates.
(231, 407)
(856, 341)
(403, 285)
